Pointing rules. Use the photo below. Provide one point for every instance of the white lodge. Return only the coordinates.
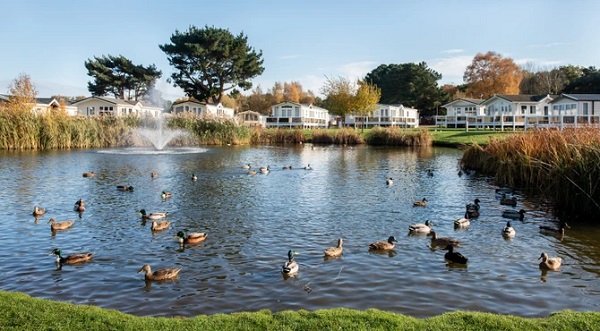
(104, 106)
(386, 115)
(295, 115)
(523, 112)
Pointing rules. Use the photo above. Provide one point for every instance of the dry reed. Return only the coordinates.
(563, 165)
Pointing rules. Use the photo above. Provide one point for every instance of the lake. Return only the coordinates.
(252, 222)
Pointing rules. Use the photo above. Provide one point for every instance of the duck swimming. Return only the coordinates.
(334, 251)
(37, 211)
(60, 225)
(389, 181)
(246, 166)
(454, 257)
(161, 274)
(125, 188)
(461, 223)
(194, 177)
(549, 263)
(421, 228)
(153, 175)
(443, 241)
(307, 167)
(287, 167)
(190, 238)
(513, 214)
(71, 258)
(79, 205)
(265, 170)
(508, 231)
(290, 267)
(560, 229)
(165, 194)
(153, 216)
(508, 201)
(160, 225)
(421, 203)
(472, 209)
(384, 245)
(89, 174)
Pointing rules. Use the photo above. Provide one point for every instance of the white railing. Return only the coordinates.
(508, 122)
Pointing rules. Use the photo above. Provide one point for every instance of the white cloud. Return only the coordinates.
(453, 51)
(356, 70)
(549, 45)
(451, 68)
(289, 57)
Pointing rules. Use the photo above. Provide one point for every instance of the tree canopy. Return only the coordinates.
(409, 84)
(548, 80)
(211, 61)
(589, 82)
(343, 96)
(118, 76)
(490, 74)
(21, 95)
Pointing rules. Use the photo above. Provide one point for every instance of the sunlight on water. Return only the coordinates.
(152, 151)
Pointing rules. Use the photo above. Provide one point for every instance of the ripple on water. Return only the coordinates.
(253, 221)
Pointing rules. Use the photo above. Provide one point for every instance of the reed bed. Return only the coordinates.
(277, 136)
(343, 136)
(209, 130)
(25, 130)
(563, 165)
(395, 136)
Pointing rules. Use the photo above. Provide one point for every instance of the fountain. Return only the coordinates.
(159, 136)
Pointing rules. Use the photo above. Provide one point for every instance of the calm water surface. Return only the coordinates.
(253, 221)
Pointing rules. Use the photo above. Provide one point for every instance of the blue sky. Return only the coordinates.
(301, 41)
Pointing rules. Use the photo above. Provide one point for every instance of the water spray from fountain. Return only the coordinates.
(159, 136)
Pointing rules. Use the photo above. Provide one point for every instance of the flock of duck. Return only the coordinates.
(291, 267)
(472, 211)
(158, 220)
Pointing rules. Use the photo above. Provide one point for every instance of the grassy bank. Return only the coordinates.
(21, 312)
(565, 165)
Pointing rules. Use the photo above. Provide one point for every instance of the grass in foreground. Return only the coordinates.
(21, 312)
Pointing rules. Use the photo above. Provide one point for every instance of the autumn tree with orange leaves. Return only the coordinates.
(490, 74)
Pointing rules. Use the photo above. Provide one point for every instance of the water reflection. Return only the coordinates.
(252, 219)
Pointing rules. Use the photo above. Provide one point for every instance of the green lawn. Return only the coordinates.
(21, 312)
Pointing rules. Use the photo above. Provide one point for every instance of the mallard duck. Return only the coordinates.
(153, 175)
(290, 267)
(165, 195)
(160, 225)
(71, 258)
(246, 166)
(79, 205)
(444, 241)
(513, 214)
(37, 211)
(549, 263)
(472, 209)
(389, 181)
(508, 231)
(153, 216)
(252, 172)
(307, 167)
(384, 245)
(508, 201)
(560, 229)
(421, 203)
(190, 238)
(462, 223)
(421, 228)
(126, 188)
(454, 257)
(265, 170)
(194, 177)
(429, 172)
(161, 274)
(89, 174)
(334, 251)
(60, 225)
(287, 167)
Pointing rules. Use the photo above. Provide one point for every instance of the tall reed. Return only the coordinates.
(395, 136)
(208, 130)
(343, 136)
(563, 165)
(277, 136)
(55, 130)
